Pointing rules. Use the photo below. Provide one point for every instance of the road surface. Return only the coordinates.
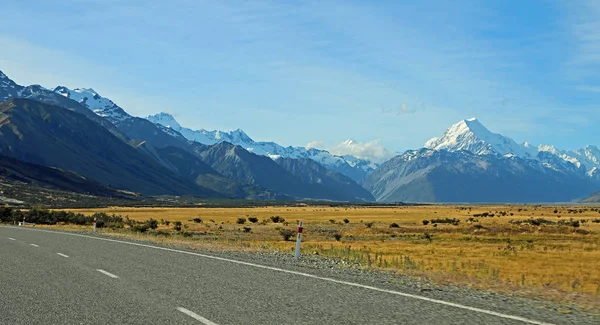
(49, 277)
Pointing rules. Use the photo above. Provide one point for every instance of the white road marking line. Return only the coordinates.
(61, 254)
(11, 238)
(196, 316)
(34, 245)
(408, 295)
(107, 273)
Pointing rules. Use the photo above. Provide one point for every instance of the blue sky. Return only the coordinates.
(324, 71)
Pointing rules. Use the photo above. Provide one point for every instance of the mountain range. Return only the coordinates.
(82, 133)
(55, 128)
(469, 163)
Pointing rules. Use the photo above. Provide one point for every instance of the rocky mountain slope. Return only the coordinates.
(49, 135)
(236, 163)
(468, 163)
(350, 166)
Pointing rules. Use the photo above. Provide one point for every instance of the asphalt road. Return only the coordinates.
(58, 278)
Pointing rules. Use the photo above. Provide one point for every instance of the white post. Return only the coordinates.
(299, 239)
(94, 224)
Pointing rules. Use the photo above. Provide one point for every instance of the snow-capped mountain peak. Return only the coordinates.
(2, 75)
(471, 135)
(344, 164)
(92, 100)
(165, 119)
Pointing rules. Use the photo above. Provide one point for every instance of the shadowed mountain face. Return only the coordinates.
(594, 198)
(13, 170)
(194, 169)
(337, 185)
(53, 136)
(441, 176)
(236, 163)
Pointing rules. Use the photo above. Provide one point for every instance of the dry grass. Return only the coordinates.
(561, 261)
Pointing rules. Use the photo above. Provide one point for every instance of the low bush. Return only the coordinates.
(425, 222)
(241, 221)
(253, 219)
(394, 225)
(286, 234)
(346, 221)
(197, 220)
(452, 221)
(177, 225)
(533, 222)
(277, 219)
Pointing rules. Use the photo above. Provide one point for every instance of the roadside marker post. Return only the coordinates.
(94, 224)
(299, 238)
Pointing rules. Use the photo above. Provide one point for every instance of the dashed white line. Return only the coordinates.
(61, 254)
(408, 295)
(107, 273)
(11, 238)
(34, 245)
(196, 316)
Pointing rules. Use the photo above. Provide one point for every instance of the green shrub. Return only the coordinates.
(286, 234)
(337, 236)
(152, 224)
(346, 221)
(452, 221)
(177, 225)
(247, 229)
(253, 219)
(197, 220)
(425, 222)
(394, 225)
(241, 221)
(277, 219)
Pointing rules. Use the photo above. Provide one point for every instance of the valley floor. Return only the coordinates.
(545, 252)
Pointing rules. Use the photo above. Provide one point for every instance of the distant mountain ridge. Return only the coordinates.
(353, 167)
(147, 147)
(49, 135)
(468, 163)
(472, 136)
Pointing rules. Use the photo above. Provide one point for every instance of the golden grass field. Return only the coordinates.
(492, 253)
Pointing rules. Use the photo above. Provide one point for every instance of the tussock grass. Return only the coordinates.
(547, 250)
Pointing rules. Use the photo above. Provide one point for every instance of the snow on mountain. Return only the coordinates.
(470, 135)
(91, 99)
(269, 149)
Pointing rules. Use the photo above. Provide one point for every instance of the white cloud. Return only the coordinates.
(315, 144)
(371, 150)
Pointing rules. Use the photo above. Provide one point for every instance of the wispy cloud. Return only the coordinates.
(371, 150)
(583, 24)
(315, 144)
